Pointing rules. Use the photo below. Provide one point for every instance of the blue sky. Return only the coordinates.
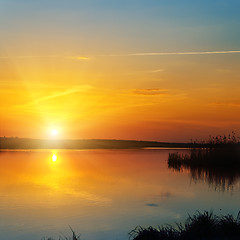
(135, 25)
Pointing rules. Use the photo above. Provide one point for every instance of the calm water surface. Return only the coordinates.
(102, 194)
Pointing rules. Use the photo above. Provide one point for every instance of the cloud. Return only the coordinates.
(150, 91)
(84, 58)
(60, 94)
(233, 102)
(171, 53)
(9, 57)
(157, 70)
(28, 57)
(81, 58)
(183, 53)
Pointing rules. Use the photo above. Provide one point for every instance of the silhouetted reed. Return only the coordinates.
(73, 237)
(216, 161)
(204, 225)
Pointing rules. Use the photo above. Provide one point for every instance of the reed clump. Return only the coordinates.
(220, 151)
(200, 226)
(216, 161)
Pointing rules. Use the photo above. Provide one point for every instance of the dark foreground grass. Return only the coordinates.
(201, 226)
(73, 237)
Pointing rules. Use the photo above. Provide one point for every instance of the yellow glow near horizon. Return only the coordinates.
(54, 157)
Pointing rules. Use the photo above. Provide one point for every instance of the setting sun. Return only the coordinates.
(54, 132)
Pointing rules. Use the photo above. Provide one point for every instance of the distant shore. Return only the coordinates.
(28, 143)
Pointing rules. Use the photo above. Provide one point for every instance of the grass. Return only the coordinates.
(200, 226)
(73, 237)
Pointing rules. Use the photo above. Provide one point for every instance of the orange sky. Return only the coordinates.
(115, 78)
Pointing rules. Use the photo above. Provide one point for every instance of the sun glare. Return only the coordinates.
(54, 132)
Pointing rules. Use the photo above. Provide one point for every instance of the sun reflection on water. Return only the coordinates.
(54, 157)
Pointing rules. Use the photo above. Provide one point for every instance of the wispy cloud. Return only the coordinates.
(85, 58)
(232, 102)
(157, 70)
(60, 94)
(150, 91)
(171, 53)
(183, 53)
(81, 58)
(28, 57)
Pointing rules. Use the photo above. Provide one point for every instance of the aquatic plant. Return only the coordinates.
(216, 161)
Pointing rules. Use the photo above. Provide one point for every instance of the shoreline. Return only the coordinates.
(84, 144)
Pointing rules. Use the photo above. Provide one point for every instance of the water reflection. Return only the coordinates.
(103, 194)
(219, 178)
(54, 157)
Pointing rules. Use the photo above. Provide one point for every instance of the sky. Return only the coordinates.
(130, 69)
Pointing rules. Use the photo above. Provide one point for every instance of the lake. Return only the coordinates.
(101, 194)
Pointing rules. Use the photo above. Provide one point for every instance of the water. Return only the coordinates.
(102, 194)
